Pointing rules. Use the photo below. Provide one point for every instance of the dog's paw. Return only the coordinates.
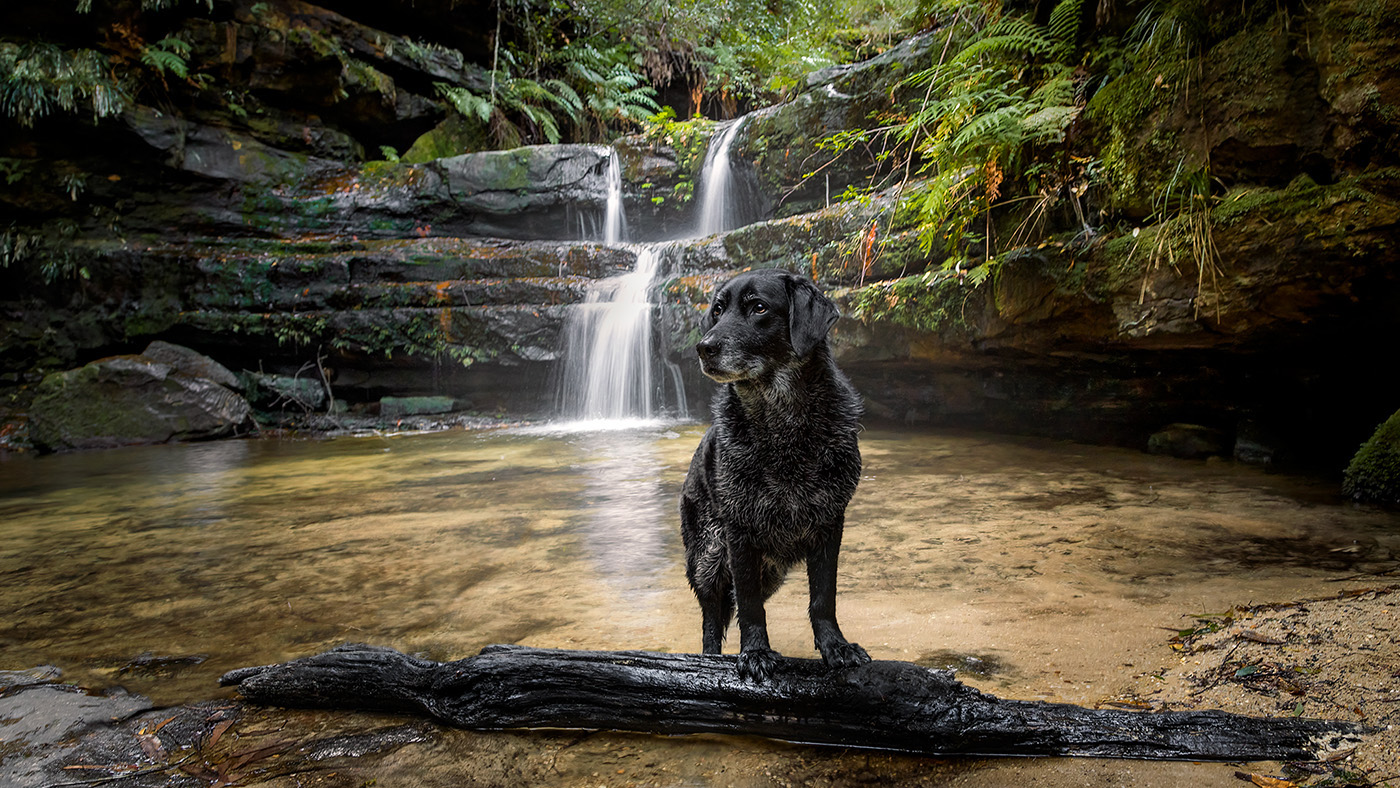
(757, 665)
(844, 655)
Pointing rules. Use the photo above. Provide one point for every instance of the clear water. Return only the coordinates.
(1056, 566)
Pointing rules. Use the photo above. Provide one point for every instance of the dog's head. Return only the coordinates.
(760, 321)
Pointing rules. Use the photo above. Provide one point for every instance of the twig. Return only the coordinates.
(115, 777)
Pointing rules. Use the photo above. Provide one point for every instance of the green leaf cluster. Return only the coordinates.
(1007, 86)
(38, 78)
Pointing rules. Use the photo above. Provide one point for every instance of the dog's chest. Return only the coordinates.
(790, 488)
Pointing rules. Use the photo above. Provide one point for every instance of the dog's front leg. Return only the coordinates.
(756, 659)
(821, 583)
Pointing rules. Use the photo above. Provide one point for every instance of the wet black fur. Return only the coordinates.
(769, 483)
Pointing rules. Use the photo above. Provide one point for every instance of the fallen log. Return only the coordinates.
(883, 705)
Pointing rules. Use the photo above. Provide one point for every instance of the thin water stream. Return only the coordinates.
(1045, 570)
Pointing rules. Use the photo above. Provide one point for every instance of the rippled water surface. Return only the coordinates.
(1044, 570)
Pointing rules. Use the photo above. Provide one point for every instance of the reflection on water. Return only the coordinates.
(1059, 563)
(246, 551)
(629, 520)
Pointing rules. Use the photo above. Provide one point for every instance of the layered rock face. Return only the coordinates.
(269, 243)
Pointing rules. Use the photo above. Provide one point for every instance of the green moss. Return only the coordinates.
(1374, 473)
(452, 137)
(1136, 162)
(935, 302)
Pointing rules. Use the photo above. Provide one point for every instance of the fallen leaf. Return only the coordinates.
(151, 746)
(218, 732)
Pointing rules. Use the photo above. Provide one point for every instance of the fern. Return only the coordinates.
(1064, 26)
(1000, 128)
(168, 54)
(1010, 37)
(1057, 91)
(467, 103)
(1049, 124)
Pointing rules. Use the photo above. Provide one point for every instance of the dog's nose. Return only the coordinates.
(707, 347)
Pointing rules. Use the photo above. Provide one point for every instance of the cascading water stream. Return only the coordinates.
(609, 361)
(717, 212)
(611, 370)
(615, 218)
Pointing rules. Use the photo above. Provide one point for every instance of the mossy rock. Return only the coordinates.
(452, 137)
(1374, 473)
(399, 407)
(126, 400)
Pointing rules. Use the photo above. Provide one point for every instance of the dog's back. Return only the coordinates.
(770, 481)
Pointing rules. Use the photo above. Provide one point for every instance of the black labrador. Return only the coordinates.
(770, 481)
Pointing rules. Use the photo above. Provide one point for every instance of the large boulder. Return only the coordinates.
(134, 399)
(192, 363)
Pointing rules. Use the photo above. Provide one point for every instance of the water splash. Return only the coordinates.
(613, 376)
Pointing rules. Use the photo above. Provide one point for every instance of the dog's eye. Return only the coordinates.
(759, 307)
(717, 310)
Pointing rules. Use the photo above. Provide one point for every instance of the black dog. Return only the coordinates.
(769, 484)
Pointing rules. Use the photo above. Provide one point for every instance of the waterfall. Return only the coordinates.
(718, 210)
(612, 372)
(609, 362)
(615, 218)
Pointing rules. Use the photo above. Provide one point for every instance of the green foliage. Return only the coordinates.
(689, 139)
(168, 54)
(1374, 473)
(49, 248)
(1007, 86)
(935, 301)
(519, 110)
(38, 78)
(1184, 236)
(611, 94)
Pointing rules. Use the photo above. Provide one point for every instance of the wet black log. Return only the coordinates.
(883, 705)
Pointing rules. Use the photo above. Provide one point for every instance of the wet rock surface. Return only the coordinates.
(126, 400)
(58, 734)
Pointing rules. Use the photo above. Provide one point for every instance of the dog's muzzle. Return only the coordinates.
(711, 352)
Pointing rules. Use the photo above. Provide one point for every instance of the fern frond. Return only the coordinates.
(1064, 25)
(542, 118)
(565, 96)
(1049, 124)
(998, 128)
(164, 61)
(1055, 91)
(467, 103)
(1012, 36)
(980, 274)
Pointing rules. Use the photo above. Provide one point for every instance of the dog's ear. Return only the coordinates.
(810, 315)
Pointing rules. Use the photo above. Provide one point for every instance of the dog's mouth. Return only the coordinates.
(723, 370)
(717, 373)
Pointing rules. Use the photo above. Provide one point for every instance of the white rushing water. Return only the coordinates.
(609, 362)
(613, 376)
(615, 217)
(716, 210)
